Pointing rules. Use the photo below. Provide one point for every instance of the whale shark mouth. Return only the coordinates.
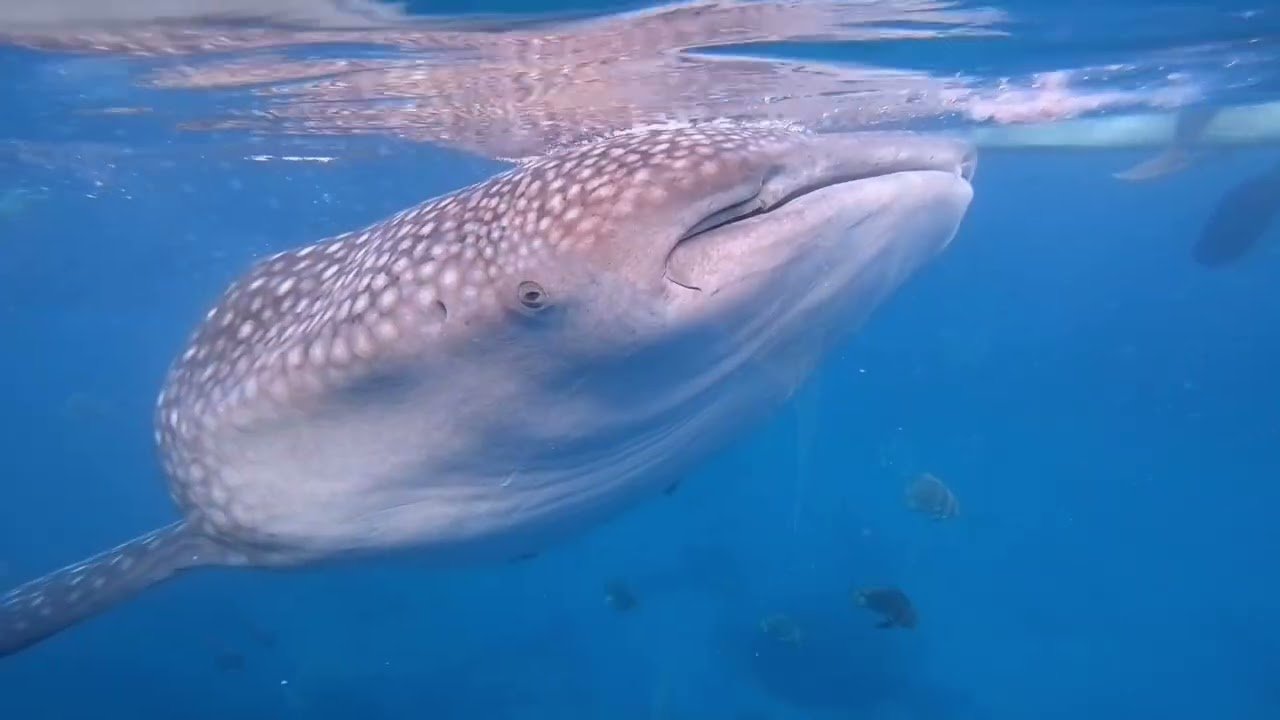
(758, 204)
(777, 223)
(722, 221)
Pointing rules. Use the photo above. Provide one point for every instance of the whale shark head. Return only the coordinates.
(653, 238)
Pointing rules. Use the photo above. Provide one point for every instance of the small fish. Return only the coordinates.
(265, 638)
(782, 628)
(889, 602)
(619, 596)
(115, 111)
(229, 661)
(928, 495)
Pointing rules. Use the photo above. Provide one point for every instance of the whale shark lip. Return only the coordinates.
(857, 218)
(965, 168)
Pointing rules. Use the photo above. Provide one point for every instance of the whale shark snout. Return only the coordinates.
(507, 365)
(841, 212)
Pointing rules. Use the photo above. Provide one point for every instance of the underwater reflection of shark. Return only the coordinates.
(507, 365)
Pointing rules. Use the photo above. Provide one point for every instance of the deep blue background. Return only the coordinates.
(1107, 411)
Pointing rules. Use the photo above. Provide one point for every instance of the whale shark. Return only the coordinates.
(499, 368)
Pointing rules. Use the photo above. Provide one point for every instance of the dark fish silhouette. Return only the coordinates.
(619, 596)
(889, 602)
(1240, 220)
(264, 638)
(928, 495)
(783, 629)
(229, 661)
(1245, 212)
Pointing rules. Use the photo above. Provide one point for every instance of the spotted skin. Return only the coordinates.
(310, 320)
(40, 608)
(472, 377)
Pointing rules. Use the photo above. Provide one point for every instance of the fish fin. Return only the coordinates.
(45, 606)
(885, 624)
(1170, 161)
(1242, 216)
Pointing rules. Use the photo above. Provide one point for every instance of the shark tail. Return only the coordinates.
(45, 606)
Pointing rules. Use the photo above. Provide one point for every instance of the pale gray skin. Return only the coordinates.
(507, 365)
(1188, 138)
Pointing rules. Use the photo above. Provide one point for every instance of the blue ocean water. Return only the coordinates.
(1105, 409)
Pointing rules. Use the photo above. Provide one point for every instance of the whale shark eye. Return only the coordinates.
(531, 295)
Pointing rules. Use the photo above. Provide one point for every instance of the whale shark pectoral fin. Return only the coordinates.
(47, 605)
(1172, 160)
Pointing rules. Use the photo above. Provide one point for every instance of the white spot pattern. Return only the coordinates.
(47, 604)
(305, 321)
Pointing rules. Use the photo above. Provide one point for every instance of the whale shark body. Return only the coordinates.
(507, 365)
